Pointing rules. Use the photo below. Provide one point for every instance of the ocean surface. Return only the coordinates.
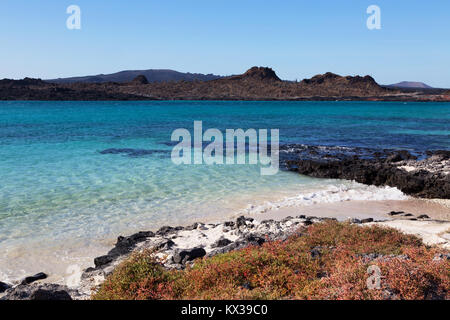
(63, 200)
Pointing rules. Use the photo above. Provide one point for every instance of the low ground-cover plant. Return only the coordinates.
(327, 260)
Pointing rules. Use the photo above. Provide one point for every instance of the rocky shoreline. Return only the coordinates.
(423, 175)
(177, 247)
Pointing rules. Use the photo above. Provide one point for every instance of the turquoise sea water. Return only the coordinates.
(62, 199)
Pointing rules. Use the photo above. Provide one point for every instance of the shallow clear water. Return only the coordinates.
(59, 194)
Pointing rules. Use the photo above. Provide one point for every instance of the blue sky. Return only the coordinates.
(298, 39)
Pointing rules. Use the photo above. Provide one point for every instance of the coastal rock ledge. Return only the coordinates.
(424, 175)
(175, 247)
(178, 247)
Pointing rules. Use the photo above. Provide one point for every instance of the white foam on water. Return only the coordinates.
(332, 193)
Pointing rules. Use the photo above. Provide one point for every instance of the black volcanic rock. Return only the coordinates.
(183, 256)
(426, 181)
(36, 89)
(31, 81)
(257, 73)
(330, 83)
(140, 79)
(36, 277)
(321, 78)
(46, 291)
(368, 80)
(4, 287)
(22, 83)
(123, 246)
(222, 242)
(126, 244)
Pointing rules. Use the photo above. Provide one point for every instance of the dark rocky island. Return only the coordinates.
(257, 83)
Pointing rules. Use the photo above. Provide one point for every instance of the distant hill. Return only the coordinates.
(257, 83)
(262, 83)
(410, 84)
(152, 75)
(256, 73)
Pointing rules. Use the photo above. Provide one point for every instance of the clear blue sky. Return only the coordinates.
(297, 38)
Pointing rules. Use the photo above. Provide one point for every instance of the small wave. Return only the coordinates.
(340, 193)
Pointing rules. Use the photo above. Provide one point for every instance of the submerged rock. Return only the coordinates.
(134, 153)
